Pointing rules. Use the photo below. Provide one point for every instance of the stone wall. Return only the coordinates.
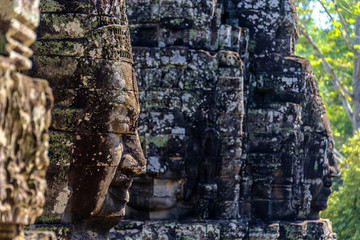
(191, 86)
(25, 105)
(224, 229)
(235, 134)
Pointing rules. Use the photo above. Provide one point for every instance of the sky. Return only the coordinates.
(321, 20)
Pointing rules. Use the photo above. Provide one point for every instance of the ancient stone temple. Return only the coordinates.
(232, 125)
(25, 105)
(235, 132)
(190, 78)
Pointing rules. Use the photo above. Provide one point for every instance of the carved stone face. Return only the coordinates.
(320, 168)
(104, 158)
(320, 165)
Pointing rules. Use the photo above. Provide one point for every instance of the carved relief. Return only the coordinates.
(25, 105)
(191, 82)
(84, 50)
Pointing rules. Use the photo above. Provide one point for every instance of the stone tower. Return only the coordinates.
(274, 177)
(232, 123)
(25, 105)
(84, 50)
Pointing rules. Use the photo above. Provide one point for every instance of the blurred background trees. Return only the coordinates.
(330, 39)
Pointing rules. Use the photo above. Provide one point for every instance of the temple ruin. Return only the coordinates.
(178, 120)
(25, 105)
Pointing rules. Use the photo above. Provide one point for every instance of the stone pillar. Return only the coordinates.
(191, 84)
(289, 142)
(283, 163)
(84, 50)
(25, 105)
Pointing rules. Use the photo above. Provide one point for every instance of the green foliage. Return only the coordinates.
(344, 204)
(329, 40)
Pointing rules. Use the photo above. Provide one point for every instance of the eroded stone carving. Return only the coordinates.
(284, 171)
(289, 141)
(233, 124)
(191, 82)
(84, 51)
(25, 105)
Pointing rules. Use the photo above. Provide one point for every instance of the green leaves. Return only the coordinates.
(344, 204)
(331, 40)
(336, 42)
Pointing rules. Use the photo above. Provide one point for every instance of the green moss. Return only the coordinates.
(60, 151)
(58, 230)
(159, 141)
(47, 218)
(66, 118)
(60, 48)
(186, 238)
(51, 6)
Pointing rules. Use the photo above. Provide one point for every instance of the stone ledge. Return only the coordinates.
(224, 229)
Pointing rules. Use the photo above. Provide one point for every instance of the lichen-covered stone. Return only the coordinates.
(190, 71)
(25, 105)
(84, 50)
(256, 131)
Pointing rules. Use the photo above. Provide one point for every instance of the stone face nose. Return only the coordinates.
(333, 167)
(334, 171)
(133, 160)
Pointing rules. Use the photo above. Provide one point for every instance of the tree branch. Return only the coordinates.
(344, 25)
(349, 43)
(343, 92)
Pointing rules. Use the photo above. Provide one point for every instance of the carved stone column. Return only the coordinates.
(84, 51)
(191, 80)
(278, 173)
(25, 105)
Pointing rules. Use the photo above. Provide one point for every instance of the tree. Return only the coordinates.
(344, 204)
(333, 50)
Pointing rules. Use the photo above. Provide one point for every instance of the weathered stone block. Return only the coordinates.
(227, 210)
(233, 230)
(268, 232)
(143, 12)
(166, 99)
(145, 57)
(176, 56)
